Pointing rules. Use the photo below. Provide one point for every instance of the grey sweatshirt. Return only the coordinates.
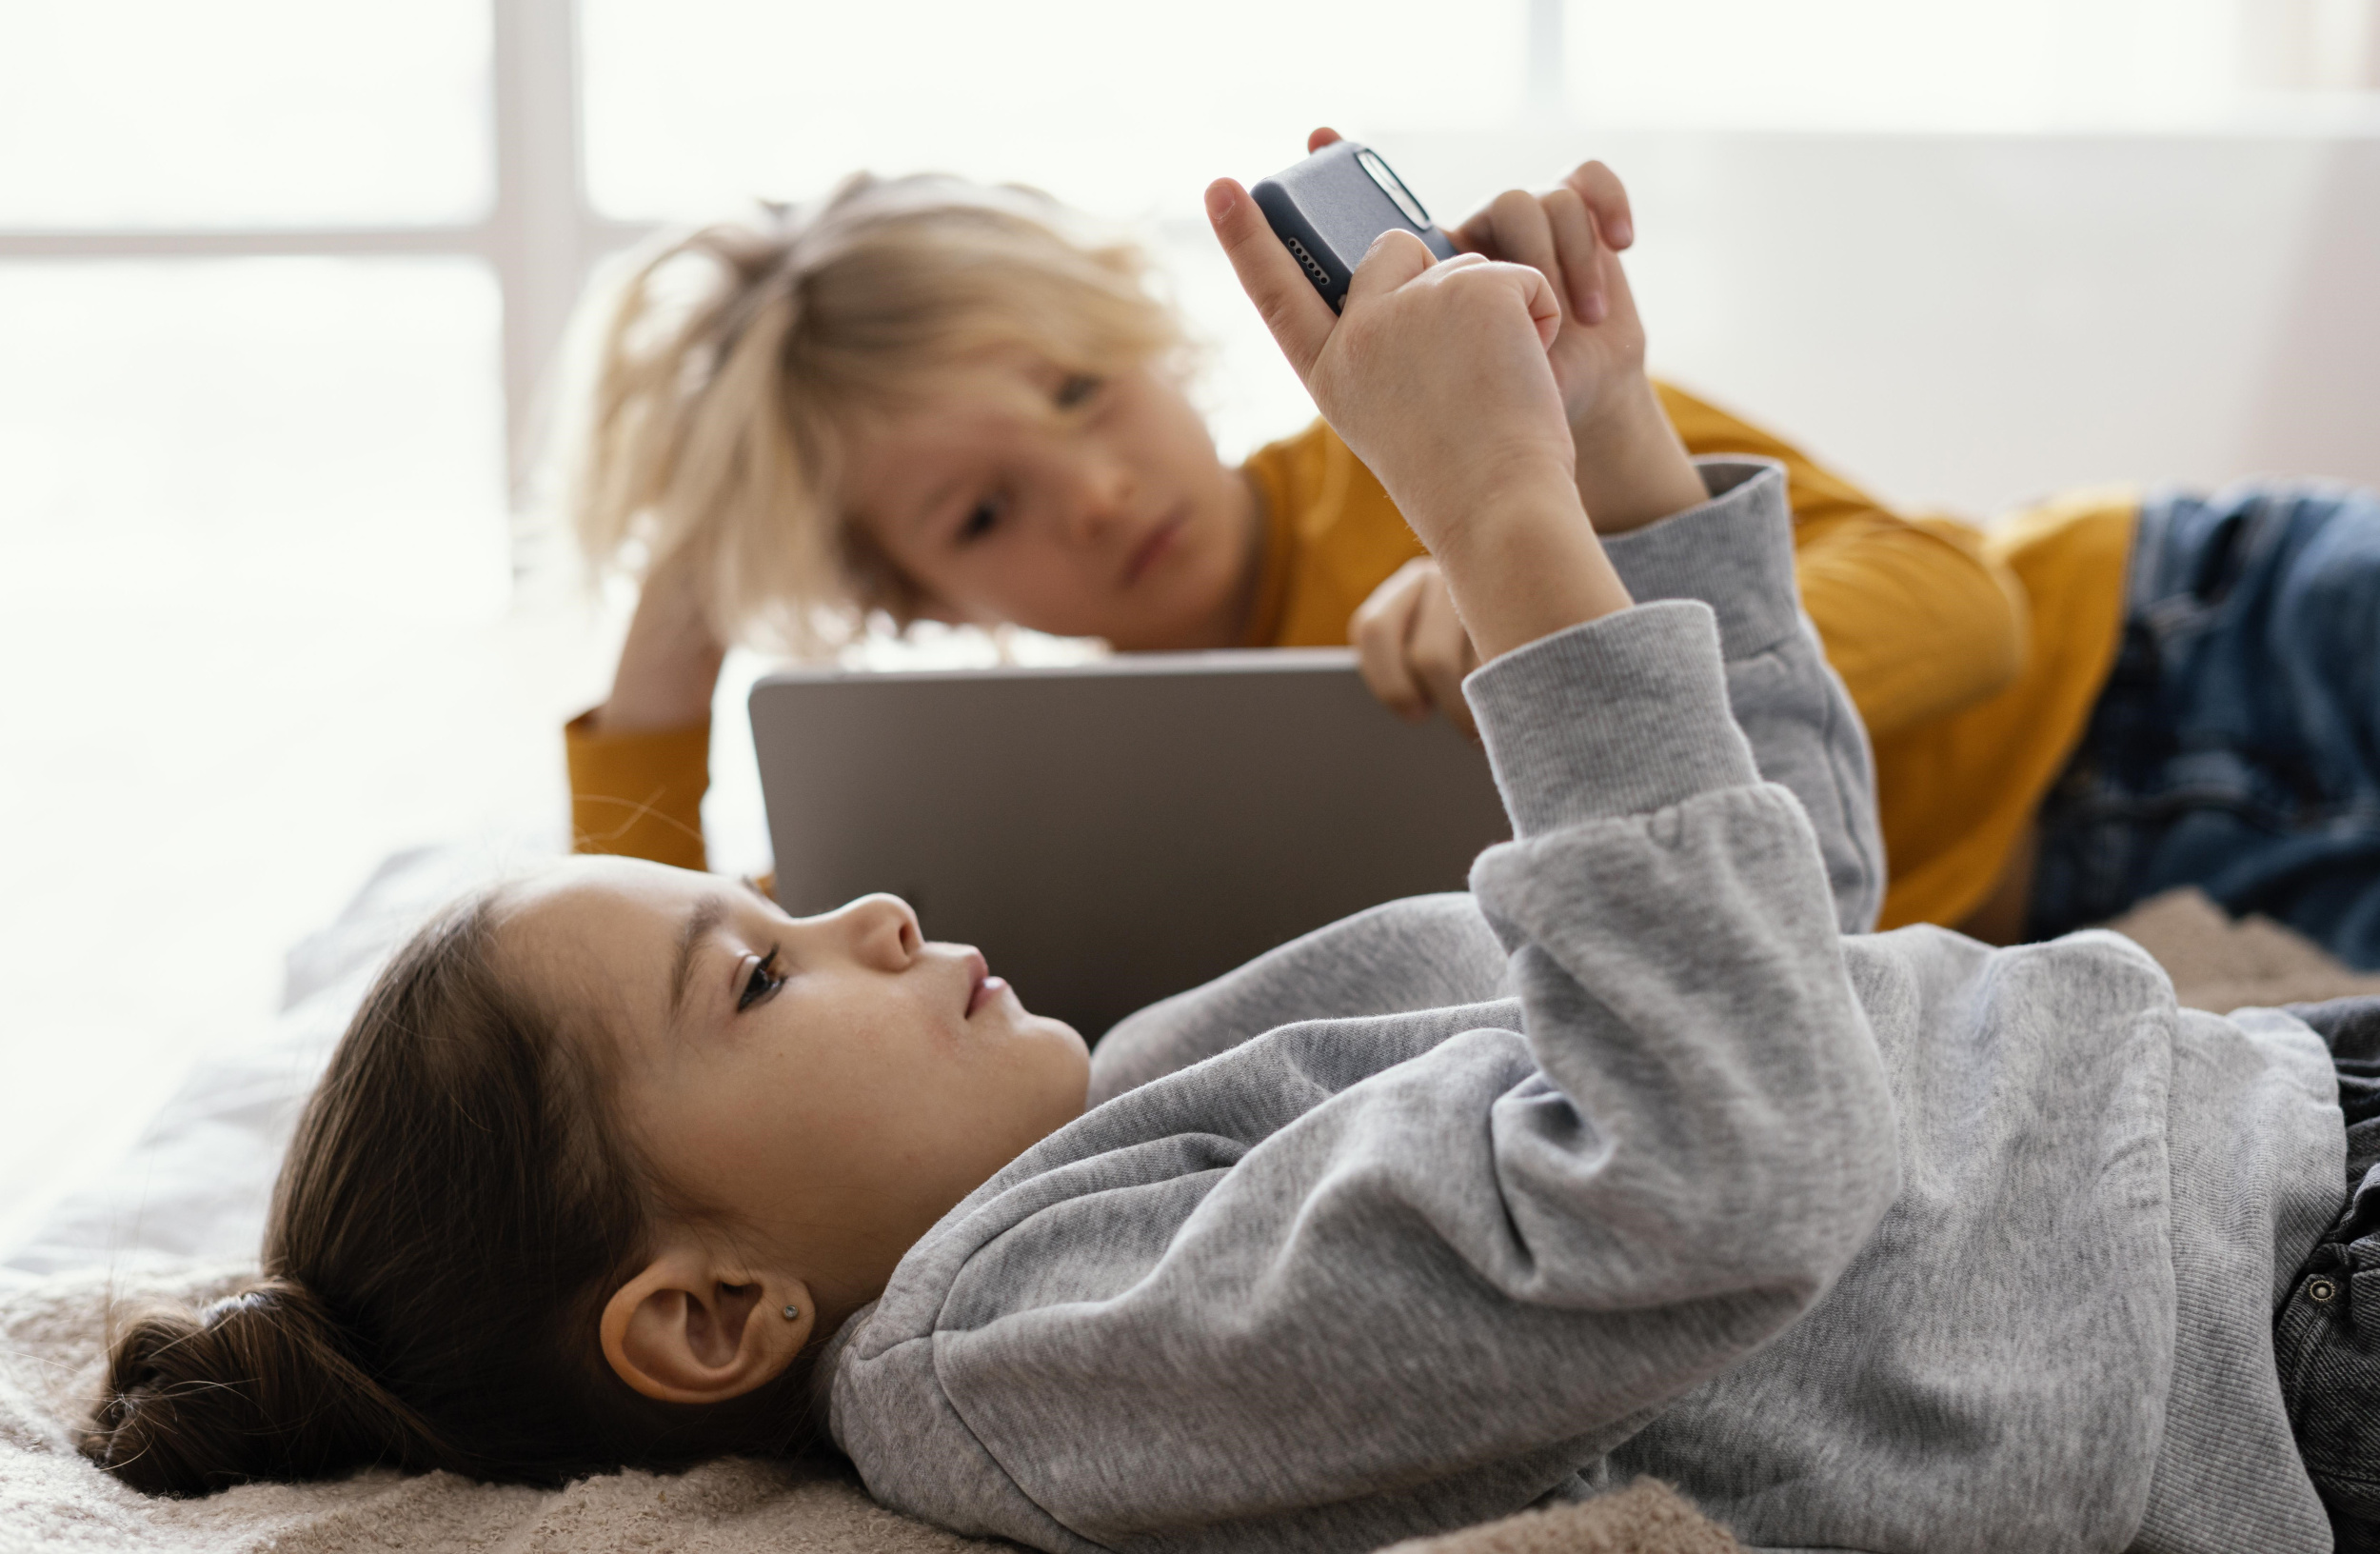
(1629, 1160)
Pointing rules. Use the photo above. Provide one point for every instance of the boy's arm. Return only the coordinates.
(1917, 619)
(641, 761)
(638, 794)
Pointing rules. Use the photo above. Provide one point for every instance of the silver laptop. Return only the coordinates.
(1115, 832)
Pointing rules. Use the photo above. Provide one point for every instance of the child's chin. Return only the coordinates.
(1043, 1027)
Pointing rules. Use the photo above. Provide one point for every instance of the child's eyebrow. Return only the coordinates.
(708, 914)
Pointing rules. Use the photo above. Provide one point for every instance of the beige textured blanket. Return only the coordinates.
(52, 1499)
(2221, 965)
(49, 1347)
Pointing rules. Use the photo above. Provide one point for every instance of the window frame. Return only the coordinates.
(539, 235)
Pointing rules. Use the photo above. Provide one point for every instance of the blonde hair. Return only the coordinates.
(730, 366)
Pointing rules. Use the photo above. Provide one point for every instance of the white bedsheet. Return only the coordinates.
(196, 1182)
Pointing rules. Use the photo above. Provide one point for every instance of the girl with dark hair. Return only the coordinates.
(455, 1193)
(1639, 1157)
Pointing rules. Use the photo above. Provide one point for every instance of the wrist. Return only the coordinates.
(1633, 469)
(669, 668)
(1525, 566)
(645, 699)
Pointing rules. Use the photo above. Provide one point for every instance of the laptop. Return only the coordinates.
(1115, 832)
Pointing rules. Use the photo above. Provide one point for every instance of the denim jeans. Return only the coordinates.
(2236, 745)
(2327, 1334)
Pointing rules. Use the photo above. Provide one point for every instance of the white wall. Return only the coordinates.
(1967, 320)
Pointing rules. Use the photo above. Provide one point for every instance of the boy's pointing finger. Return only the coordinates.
(1296, 313)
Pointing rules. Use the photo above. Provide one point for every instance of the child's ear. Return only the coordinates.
(688, 1329)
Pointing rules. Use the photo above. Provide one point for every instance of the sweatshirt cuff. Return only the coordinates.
(1735, 552)
(1617, 717)
(639, 794)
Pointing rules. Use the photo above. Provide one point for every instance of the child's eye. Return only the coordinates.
(1077, 388)
(764, 981)
(981, 520)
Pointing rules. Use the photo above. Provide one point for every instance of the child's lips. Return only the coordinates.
(1147, 554)
(981, 986)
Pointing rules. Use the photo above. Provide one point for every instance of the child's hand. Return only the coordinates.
(1435, 375)
(1571, 234)
(1411, 646)
(1631, 468)
(669, 664)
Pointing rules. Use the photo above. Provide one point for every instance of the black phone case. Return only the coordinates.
(1327, 211)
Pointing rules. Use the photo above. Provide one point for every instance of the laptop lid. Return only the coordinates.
(1112, 833)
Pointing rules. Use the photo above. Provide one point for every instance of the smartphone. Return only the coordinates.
(1329, 209)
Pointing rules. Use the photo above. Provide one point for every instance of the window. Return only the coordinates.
(156, 114)
(253, 568)
(693, 105)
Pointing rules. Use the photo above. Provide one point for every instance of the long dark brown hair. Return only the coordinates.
(454, 1213)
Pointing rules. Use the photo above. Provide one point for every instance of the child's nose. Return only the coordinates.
(1102, 491)
(883, 931)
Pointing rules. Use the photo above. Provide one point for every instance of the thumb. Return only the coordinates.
(1544, 304)
(1396, 257)
(1296, 313)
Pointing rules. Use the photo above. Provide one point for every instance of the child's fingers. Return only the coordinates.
(1578, 264)
(1321, 137)
(1396, 257)
(1526, 282)
(1476, 233)
(1299, 319)
(1504, 229)
(1608, 198)
(1380, 628)
(1551, 234)
(1522, 235)
(1439, 650)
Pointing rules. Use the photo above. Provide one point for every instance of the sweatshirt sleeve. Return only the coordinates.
(1283, 1310)
(1917, 619)
(639, 794)
(1736, 553)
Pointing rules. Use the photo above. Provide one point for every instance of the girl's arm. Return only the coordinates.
(1917, 618)
(1735, 553)
(1313, 1296)
(1362, 1280)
